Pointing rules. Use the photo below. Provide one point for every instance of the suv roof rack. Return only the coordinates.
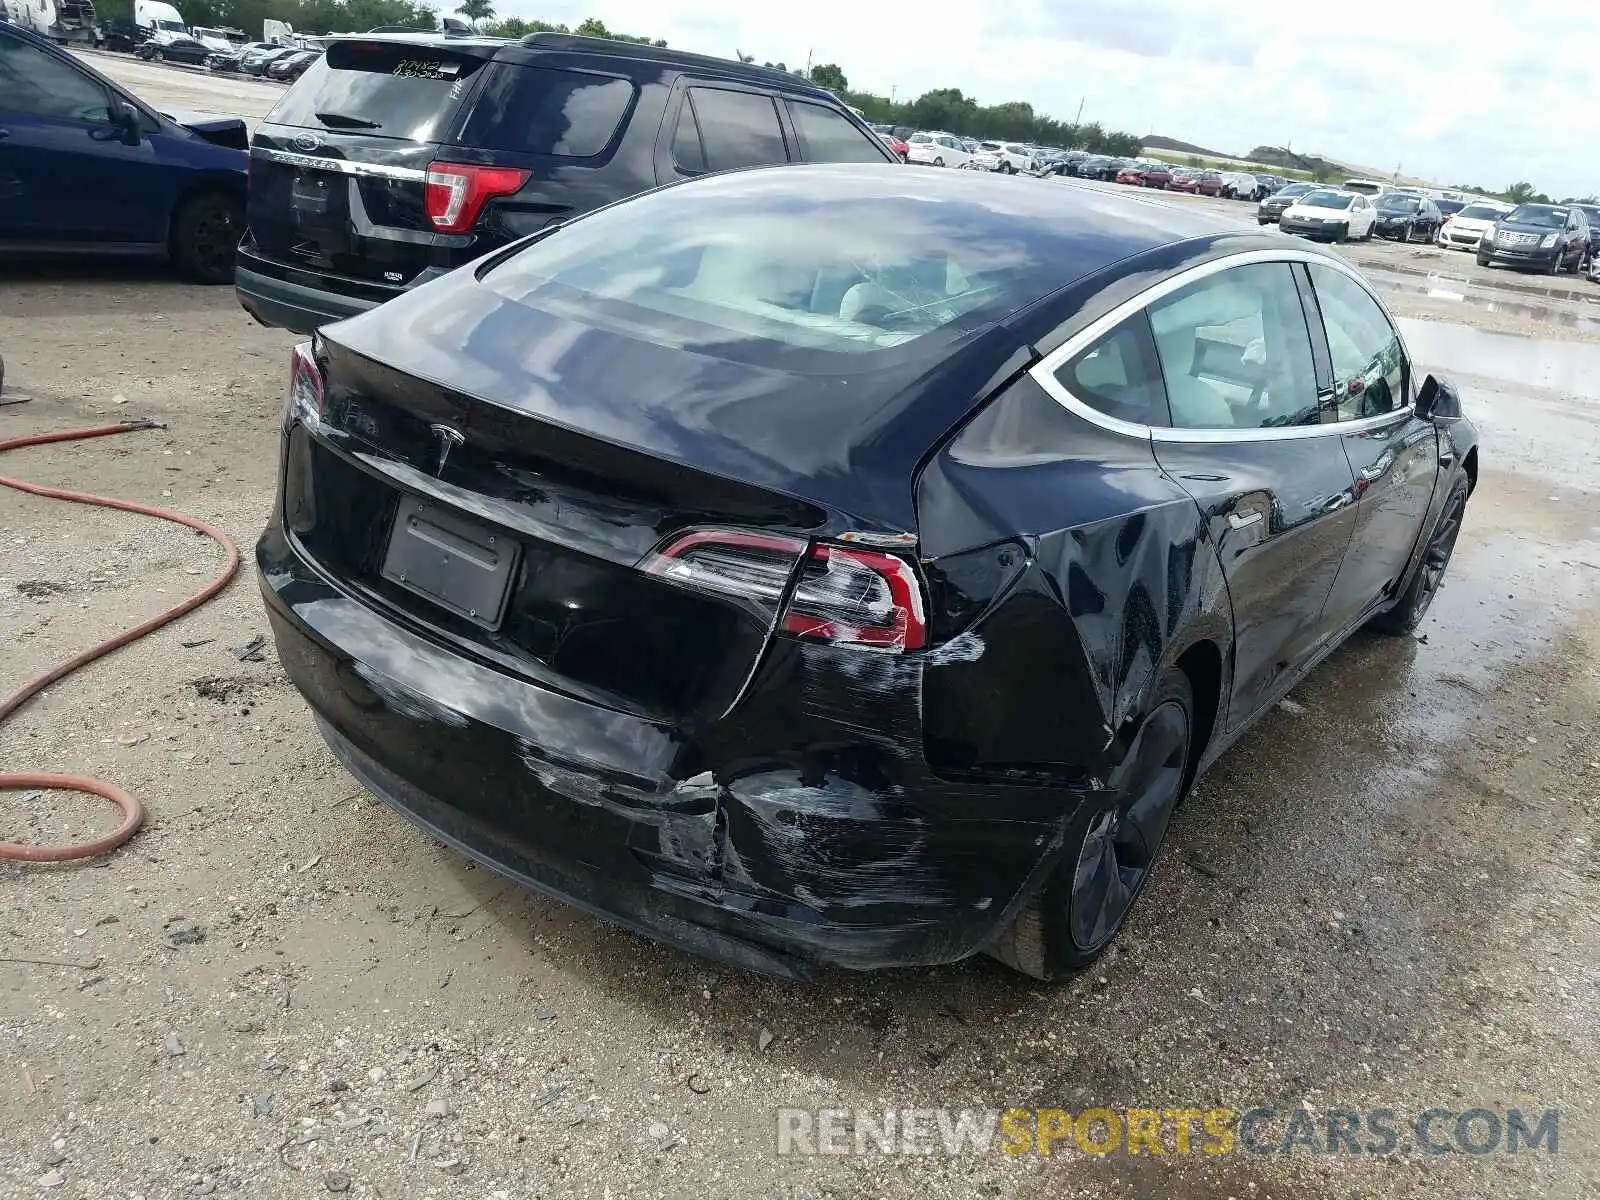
(682, 58)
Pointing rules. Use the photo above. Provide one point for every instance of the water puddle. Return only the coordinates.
(1547, 364)
(1566, 309)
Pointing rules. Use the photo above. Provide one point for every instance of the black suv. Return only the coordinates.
(399, 157)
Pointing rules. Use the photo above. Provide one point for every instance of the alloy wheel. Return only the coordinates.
(1120, 845)
(1436, 558)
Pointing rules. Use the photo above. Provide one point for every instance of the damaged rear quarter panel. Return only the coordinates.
(1120, 581)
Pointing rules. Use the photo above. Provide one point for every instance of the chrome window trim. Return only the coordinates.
(341, 166)
(1044, 371)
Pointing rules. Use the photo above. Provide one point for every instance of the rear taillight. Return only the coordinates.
(304, 401)
(843, 595)
(858, 598)
(455, 193)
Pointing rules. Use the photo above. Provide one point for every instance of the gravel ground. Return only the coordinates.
(1386, 897)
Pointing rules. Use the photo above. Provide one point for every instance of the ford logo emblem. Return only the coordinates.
(306, 141)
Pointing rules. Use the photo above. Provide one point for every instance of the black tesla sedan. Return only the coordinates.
(818, 565)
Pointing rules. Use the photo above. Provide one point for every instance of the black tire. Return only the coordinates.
(1555, 264)
(1342, 234)
(1484, 262)
(1425, 581)
(1054, 937)
(205, 234)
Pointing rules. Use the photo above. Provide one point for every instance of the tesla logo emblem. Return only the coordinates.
(306, 141)
(449, 438)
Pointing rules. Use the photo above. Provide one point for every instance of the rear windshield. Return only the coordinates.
(391, 89)
(538, 110)
(1398, 203)
(744, 266)
(1482, 212)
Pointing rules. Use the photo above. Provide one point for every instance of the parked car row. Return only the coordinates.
(1546, 237)
(265, 59)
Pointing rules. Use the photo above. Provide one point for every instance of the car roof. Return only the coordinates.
(642, 52)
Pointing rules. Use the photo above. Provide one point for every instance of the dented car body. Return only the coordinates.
(732, 563)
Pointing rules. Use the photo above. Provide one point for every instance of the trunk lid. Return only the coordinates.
(593, 452)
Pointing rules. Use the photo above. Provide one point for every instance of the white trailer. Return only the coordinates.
(63, 20)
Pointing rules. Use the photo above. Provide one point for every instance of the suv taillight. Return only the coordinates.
(455, 193)
(844, 595)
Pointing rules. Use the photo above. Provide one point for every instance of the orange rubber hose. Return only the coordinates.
(132, 811)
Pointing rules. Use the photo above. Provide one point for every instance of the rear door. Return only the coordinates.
(338, 169)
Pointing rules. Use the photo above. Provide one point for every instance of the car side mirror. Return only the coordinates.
(1438, 400)
(125, 120)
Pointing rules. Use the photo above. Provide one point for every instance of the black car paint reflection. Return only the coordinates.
(691, 764)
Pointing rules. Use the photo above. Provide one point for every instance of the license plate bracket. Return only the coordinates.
(453, 561)
(310, 195)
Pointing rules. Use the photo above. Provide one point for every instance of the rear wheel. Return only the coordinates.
(1111, 847)
(1426, 580)
(205, 235)
(939, 162)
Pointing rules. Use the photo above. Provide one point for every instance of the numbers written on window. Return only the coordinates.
(421, 68)
(1369, 368)
(1234, 351)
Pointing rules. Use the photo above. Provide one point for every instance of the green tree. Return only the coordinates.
(1519, 192)
(476, 11)
(829, 75)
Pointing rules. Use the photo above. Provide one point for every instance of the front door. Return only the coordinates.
(62, 162)
(1393, 454)
(1246, 443)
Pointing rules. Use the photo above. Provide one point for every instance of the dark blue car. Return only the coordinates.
(87, 168)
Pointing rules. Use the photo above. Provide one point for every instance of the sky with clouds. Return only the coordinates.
(1455, 93)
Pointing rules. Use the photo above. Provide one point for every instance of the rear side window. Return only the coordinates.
(390, 89)
(829, 137)
(537, 110)
(1118, 375)
(737, 129)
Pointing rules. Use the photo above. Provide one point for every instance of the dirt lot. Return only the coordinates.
(1387, 897)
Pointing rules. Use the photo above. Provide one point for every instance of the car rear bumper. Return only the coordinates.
(760, 842)
(291, 305)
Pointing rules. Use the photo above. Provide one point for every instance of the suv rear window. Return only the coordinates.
(391, 89)
(539, 110)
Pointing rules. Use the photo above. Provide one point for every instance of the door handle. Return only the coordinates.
(1244, 522)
